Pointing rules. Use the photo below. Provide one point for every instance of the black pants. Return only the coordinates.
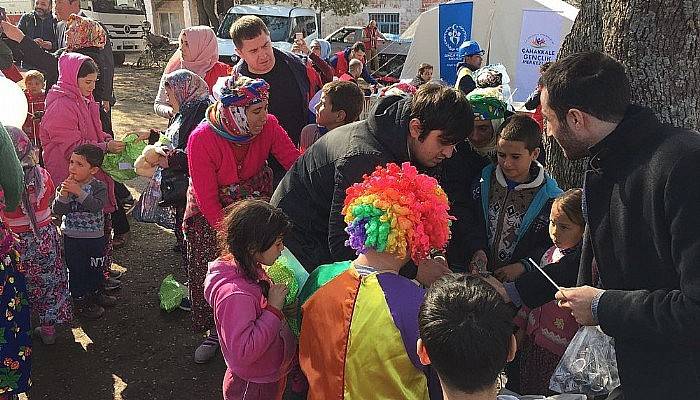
(119, 222)
(85, 258)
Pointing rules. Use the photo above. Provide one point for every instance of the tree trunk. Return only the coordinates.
(658, 42)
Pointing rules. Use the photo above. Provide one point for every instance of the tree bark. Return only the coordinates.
(658, 43)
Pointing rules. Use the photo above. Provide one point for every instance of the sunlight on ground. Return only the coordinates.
(81, 337)
(119, 386)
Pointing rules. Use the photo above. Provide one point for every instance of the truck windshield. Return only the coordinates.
(118, 6)
(278, 26)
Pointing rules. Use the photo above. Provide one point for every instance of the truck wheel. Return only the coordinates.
(119, 58)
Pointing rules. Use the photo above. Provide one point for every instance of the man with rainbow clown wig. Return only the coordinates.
(360, 318)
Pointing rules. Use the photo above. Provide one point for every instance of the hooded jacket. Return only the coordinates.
(255, 340)
(313, 190)
(70, 120)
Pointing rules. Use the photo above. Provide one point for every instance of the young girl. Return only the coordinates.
(545, 332)
(39, 244)
(256, 342)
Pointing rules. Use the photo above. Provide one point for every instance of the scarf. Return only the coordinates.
(203, 49)
(189, 88)
(227, 116)
(82, 32)
(26, 153)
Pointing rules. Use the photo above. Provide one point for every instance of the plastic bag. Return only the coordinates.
(286, 269)
(588, 365)
(146, 208)
(171, 293)
(120, 166)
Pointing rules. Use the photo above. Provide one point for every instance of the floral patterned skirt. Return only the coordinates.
(47, 276)
(15, 333)
(202, 248)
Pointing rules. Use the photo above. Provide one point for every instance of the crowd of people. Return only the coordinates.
(430, 232)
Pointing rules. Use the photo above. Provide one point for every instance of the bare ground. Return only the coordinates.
(137, 351)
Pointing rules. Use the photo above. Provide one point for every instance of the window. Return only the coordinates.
(386, 22)
(170, 24)
(346, 35)
(306, 25)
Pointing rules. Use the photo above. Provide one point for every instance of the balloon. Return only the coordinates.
(13, 104)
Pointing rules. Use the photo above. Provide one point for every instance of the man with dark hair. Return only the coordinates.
(638, 276)
(466, 334)
(40, 25)
(422, 129)
(340, 61)
(285, 72)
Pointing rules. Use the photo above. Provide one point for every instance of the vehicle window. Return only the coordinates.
(305, 25)
(339, 36)
(278, 26)
(350, 37)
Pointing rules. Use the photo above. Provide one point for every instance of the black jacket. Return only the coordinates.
(313, 190)
(642, 203)
(43, 28)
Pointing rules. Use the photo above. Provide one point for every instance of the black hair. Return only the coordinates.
(466, 329)
(93, 154)
(358, 46)
(249, 227)
(521, 128)
(247, 27)
(571, 203)
(346, 96)
(88, 67)
(440, 107)
(592, 82)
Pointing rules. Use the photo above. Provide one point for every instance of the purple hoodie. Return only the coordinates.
(71, 119)
(255, 340)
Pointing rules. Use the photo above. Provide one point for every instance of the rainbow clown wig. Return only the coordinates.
(398, 211)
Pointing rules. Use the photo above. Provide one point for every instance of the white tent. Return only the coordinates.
(496, 25)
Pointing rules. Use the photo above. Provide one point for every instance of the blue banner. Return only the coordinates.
(454, 28)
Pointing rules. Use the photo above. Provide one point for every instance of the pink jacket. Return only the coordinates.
(71, 119)
(255, 340)
(212, 162)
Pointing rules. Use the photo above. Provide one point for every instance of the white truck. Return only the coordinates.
(122, 18)
(283, 22)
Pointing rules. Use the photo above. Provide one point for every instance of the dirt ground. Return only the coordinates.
(137, 351)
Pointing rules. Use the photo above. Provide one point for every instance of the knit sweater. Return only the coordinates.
(212, 162)
(82, 214)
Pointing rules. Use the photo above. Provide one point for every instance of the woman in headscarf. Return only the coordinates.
(320, 50)
(198, 53)
(39, 244)
(227, 155)
(15, 336)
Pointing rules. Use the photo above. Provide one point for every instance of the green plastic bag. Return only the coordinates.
(171, 293)
(120, 166)
(287, 270)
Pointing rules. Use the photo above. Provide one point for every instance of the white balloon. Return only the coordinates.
(13, 104)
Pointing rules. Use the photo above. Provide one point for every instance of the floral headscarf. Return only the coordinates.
(84, 32)
(227, 116)
(188, 87)
(26, 153)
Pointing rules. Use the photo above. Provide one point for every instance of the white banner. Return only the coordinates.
(540, 40)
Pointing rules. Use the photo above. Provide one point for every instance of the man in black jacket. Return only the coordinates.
(422, 129)
(40, 25)
(642, 242)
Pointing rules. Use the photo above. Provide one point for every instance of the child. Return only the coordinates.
(39, 244)
(546, 331)
(80, 200)
(34, 84)
(256, 342)
(359, 328)
(515, 196)
(341, 103)
(466, 334)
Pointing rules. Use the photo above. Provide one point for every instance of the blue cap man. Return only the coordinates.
(472, 55)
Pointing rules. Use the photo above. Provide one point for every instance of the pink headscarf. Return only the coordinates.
(204, 51)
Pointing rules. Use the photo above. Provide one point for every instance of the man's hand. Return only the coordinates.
(12, 32)
(478, 262)
(44, 44)
(510, 272)
(578, 301)
(496, 285)
(429, 270)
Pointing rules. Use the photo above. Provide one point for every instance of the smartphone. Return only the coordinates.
(298, 35)
(3, 14)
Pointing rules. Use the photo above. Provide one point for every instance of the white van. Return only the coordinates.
(282, 21)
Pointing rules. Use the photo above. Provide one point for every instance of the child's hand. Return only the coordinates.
(63, 192)
(71, 186)
(290, 311)
(115, 146)
(510, 272)
(275, 297)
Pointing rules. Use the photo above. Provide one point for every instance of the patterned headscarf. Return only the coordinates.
(399, 211)
(84, 32)
(26, 153)
(488, 105)
(227, 116)
(188, 87)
